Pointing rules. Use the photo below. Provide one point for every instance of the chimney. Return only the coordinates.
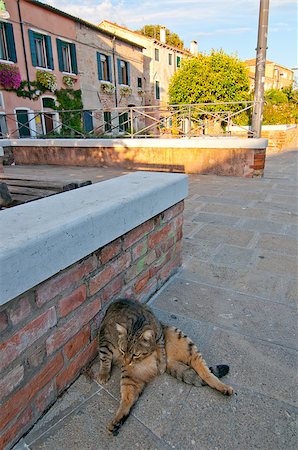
(194, 48)
(162, 35)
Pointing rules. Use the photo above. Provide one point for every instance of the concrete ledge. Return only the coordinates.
(39, 239)
(202, 142)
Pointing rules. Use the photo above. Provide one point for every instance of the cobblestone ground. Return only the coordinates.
(236, 297)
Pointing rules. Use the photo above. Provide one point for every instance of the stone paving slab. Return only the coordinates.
(236, 297)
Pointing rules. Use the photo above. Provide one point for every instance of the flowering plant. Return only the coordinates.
(47, 80)
(10, 77)
(141, 91)
(125, 91)
(69, 81)
(107, 87)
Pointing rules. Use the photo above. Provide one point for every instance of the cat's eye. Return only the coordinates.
(136, 355)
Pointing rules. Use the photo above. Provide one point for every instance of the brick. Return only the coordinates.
(72, 326)
(164, 246)
(26, 336)
(72, 301)
(139, 266)
(138, 233)
(158, 236)
(23, 422)
(10, 381)
(70, 277)
(108, 273)
(139, 249)
(20, 311)
(110, 251)
(22, 398)
(170, 268)
(46, 397)
(79, 341)
(142, 282)
(37, 356)
(112, 289)
(173, 212)
(70, 373)
(3, 321)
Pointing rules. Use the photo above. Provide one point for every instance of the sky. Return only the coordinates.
(231, 25)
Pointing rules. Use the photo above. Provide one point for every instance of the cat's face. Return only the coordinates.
(135, 348)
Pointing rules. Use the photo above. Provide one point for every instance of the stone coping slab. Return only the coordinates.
(40, 238)
(202, 142)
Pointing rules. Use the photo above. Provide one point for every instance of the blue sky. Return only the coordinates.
(227, 24)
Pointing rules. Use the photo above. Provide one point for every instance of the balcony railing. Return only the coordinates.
(172, 121)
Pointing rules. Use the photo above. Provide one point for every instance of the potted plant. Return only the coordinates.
(47, 80)
(10, 77)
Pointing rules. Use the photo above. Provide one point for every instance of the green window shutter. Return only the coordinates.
(50, 61)
(119, 71)
(73, 56)
(32, 48)
(12, 55)
(99, 71)
(59, 53)
(128, 73)
(110, 69)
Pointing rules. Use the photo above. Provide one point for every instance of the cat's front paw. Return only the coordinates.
(162, 366)
(103, 378)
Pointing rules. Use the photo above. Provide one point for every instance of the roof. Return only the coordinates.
(81, 21)
(143, 36)
(250, 62)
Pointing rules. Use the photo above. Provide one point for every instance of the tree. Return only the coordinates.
(217, 77)
(154, 32)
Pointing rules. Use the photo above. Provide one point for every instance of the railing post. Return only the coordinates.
(131, 124)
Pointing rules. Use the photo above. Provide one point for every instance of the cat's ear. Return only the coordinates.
(147, 335)
(121, 329)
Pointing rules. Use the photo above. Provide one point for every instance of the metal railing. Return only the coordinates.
(172, 121)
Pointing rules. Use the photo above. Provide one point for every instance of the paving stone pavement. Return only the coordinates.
(236, 296)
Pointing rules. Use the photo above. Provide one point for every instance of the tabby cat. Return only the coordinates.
(134, 338)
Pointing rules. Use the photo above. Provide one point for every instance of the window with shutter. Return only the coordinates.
(41, 50)
(104, 67)
(7, 43)
(67, 58)
(157, 90)
(123, 72)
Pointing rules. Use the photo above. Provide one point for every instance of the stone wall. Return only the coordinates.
(220, 156)
(48, 332)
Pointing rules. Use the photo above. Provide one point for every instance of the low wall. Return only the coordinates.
(280, 137)
(63, 259)
(220, 156)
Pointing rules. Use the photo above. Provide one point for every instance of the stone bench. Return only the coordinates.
(63, 258)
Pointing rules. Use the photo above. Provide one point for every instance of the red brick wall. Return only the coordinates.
(48, 334)
(219, 161)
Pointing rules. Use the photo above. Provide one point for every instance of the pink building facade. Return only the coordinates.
(48, 51)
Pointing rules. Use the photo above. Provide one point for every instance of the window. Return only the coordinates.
(139, 82)
(41, 50)
(1, 101)
(156, 54)
(7, 44)
(123, 72)
(170, 59)
(108, 121)
(157, 90)
(178, 61)
(67, 57)
(123, 122)
(104, 67)
(48, 102)
(88, 121)
(3, 126)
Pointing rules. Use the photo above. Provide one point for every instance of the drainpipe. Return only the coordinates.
(114, 68)
(24, 49)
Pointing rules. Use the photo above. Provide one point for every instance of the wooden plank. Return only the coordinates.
(31, 191)
(34, 183)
